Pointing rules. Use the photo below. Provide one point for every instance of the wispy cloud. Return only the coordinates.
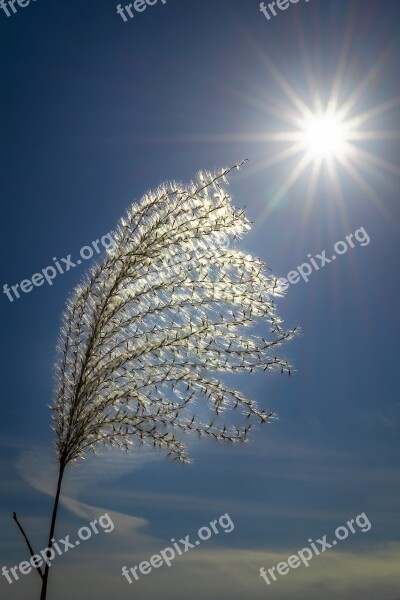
(39, 470)
(226, 573)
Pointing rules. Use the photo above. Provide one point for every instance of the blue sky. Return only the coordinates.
(96, 111)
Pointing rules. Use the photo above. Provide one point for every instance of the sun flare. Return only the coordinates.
(329, 133)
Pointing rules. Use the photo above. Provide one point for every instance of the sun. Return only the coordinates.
(327, 136)
(329, 126)
(324, 136)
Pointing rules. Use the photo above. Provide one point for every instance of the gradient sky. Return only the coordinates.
(94, 112)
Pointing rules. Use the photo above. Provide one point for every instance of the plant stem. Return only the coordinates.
(52, 528)
(27, 542)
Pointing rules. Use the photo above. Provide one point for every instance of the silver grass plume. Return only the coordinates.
(146, 332)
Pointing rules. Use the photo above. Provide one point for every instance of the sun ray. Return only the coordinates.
(352, 170)
(364, 85)
(299, 168)
(311, 190)
(373, 112)
(340, 204)
(371, 160)
(372, 135)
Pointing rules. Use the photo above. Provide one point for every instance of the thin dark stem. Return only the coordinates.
(52, 528)
(27, 542)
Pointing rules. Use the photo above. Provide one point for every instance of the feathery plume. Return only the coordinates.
(146, 333)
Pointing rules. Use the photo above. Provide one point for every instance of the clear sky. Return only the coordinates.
(94, 112)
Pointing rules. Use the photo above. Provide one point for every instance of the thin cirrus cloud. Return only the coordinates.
(232, 573)
(350, 574)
